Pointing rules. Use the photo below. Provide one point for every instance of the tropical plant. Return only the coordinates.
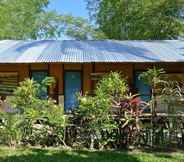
(154, 78)
(45, 126)
(10, 129)
(28, 93)
(172, 96)
(43, 121)
(95, 112)
(111, 117)
(128, 114)
(165, 130)
(95, 116)
(113, 85)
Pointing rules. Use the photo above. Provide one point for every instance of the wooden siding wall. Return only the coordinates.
(125, 69)
(21, 69)
(87, 82)
(39, 67)
(57, 71)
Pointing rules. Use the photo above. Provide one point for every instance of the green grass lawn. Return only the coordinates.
(59, 155)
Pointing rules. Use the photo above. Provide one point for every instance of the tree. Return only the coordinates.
(18, 18)
(138, 19)
(22, 19)
(54, 25)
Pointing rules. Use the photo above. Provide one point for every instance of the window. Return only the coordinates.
(143, 89)
(8, 82)
(39, 76)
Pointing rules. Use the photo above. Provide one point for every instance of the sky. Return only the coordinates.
(74, 7)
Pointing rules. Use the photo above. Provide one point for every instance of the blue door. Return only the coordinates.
(143, 89)
(72, 87)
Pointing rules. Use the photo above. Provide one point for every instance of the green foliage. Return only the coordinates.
(27, 94)
(53, 25)
(112, 85)
(95, 112)
(44, 125)
(35, 121)
(152, 76)
(17, 15)
(170, 94)
(10, 129)
(79, 28)
(138, 19)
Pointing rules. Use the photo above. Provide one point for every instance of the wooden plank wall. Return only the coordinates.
(125, 69)
(21, 69)
(57, 71)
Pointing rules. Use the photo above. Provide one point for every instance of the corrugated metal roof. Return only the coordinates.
(72, 51)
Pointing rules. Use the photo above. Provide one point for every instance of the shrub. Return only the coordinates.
(110, 118)
(112, 85)
(96, 117)
(38, 121)
(165, 130)
(28, 93)
(44, 126)
(10, 129)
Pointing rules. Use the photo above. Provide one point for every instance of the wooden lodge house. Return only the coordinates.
(76, 65)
